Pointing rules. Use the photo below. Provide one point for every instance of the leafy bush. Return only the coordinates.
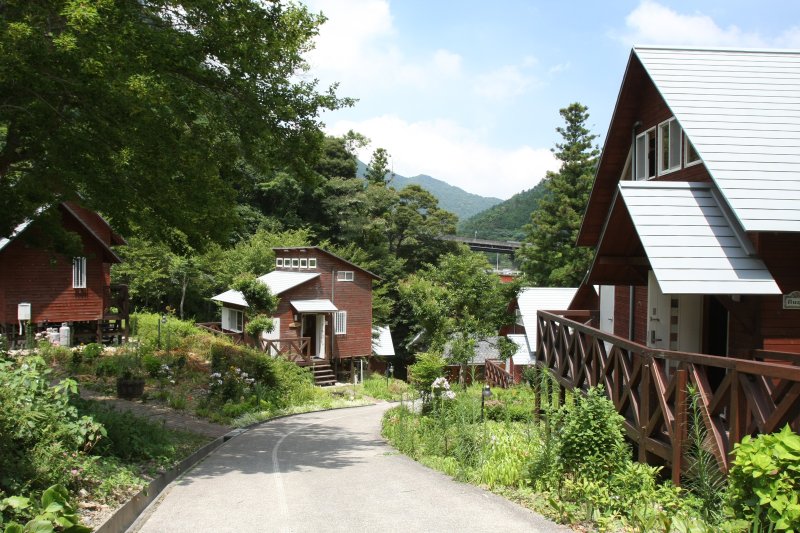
(92, 351)
(422, 374)
(145, 327)
(765, 480)
(592, 443)
(54, 514)
(376, 386)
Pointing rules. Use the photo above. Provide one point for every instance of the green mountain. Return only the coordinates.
(451, 198)
(505, 220)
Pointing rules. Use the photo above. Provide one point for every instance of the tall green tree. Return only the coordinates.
(146, 109)
(459, 301)
(549, 255)
(378, 168)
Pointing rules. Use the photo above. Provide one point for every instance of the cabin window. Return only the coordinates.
(295, 262)
(312, 262)
(232, 319)
(344, 275)
(692, 157)
(669, 146)
(340, 323)
(303, 263)
(646, 155)
(79, 273)
(279, 262)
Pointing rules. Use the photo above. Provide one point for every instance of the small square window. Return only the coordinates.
(312, 262)
(295, 262)
(279, 262)
(692, 157)
(303, 262)
(344, 275)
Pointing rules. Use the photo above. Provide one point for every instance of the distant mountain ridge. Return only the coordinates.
(506, 220)
(454, 199)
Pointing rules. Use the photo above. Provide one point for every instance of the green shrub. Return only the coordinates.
(764, 482)
(377, 387)
(424, 372)
(592, 443)
(92, 351)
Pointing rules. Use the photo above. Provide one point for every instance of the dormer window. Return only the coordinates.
(669, 146)
(646, 155)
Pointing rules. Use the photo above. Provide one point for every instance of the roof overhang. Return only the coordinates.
(231, 297)
(690, 240)
(280, 281)
(314, 306)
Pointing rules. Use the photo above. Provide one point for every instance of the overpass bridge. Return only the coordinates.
(486, 245)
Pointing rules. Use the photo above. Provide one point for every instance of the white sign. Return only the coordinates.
(791, 300)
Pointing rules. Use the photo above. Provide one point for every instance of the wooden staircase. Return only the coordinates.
(323, 374)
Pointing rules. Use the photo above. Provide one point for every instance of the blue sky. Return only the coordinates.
(469, 92)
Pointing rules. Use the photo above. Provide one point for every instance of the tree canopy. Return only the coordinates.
(550, 257)
(149, 110)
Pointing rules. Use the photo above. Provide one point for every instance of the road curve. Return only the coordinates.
(326, 471)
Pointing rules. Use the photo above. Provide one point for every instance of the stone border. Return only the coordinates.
(125, 516)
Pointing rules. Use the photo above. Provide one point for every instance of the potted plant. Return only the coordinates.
(130, 377)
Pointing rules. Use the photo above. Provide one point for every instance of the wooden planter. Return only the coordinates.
(130, 388)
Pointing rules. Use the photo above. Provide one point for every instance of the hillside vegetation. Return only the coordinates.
(505, 221)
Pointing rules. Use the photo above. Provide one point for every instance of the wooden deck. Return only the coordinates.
(649, 388)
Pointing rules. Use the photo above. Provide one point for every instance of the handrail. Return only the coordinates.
(496, 375)
(294, 349)
(649, 388)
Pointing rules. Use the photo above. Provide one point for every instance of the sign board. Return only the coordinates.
(791, 300)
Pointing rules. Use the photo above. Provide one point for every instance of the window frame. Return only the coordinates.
(312, 262)
(645, 156)
(295, 262)
(340, 323)
(279, 262)
(303, 262)
(345, 275)
(79, 277)
(233, 317)
(674, 131)
(686, 144)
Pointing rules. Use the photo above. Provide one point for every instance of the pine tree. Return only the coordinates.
(550, 257)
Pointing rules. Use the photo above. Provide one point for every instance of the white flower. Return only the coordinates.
(449, 395)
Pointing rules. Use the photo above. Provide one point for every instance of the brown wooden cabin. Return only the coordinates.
(61, 289)
(695, 220)
(324, 317)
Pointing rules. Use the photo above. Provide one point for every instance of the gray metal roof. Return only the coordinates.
(741, 110)
(522, 356)
(231, 297)
(694, 246)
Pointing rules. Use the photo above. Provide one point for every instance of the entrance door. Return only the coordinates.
(674, 321)
(607, 311)
(320, 334)
(310, 331)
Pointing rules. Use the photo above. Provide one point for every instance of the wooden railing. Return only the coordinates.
(649, 388)
(216, 329)
(294, 349)
(496, 375)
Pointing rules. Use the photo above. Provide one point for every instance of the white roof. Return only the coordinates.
(278, 281)
(523, 354)
(693, 245)
(382, 343)
(314, 306)
(741, 110)
(533, 299)
(231, 297)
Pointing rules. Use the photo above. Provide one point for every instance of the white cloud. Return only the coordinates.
(653, 23)
(456, 155)
(504, 83)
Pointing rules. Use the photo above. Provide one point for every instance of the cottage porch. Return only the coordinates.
(649, 387)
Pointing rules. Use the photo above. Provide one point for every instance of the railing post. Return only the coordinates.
(679, 429)
(738, 408)
(644, 407)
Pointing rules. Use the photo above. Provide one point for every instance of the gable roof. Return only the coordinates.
(691, 242)
(741, 110)
(326, 252)
(382, 344)
(89, 220)
(278, 281)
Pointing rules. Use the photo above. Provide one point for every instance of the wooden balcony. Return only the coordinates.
(649, 388)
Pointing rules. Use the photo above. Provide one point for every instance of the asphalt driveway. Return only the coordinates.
(326, 471)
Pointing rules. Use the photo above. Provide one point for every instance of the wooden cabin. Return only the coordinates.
(695, 220)
(324, 316)
(57, 289)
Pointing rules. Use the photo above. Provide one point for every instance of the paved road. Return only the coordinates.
(326, 471)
